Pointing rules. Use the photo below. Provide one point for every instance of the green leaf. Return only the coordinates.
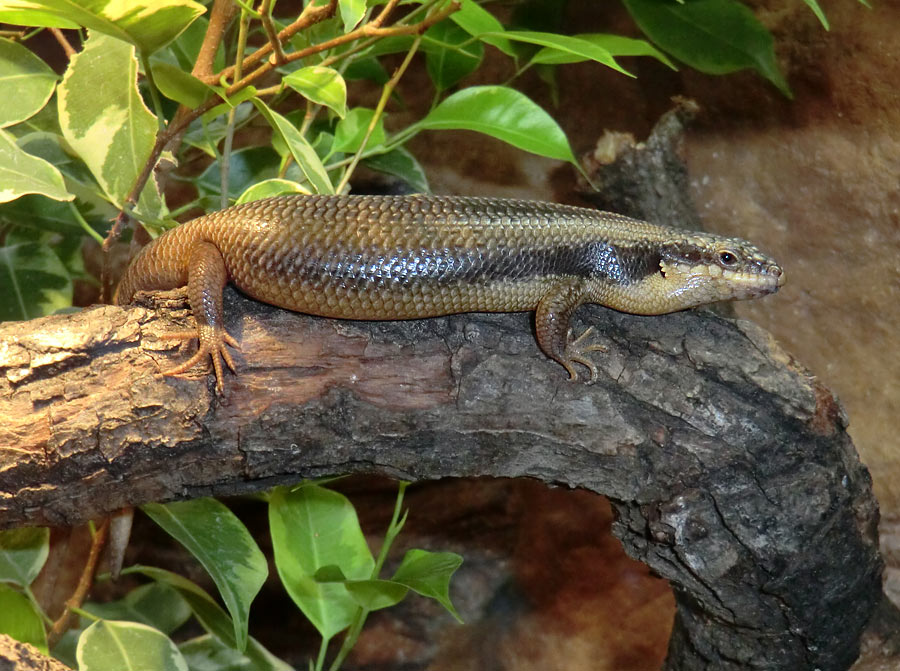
(207, 653)
(400, 163)
(52, 147)
(477, 21)
(429, 573)
(22, 554)
(46, 120)
(34, 17)
(105, 121)
(26, 83)
(447, 56)
(128, 646)
(21, 173)
(321, 85)
(505, 114)
(352, 12)
(221, 542)
(351, 130)
(376, 594)
(250, 165)
(301, 150)
(567, 44)
(270, 188)
(41, 215)
(814, 6)
(244, 95)
(155, 604)
(35, 282)
(20, 619)
(180, 86)
(712, 36)
(313, 527)
(616, 45)
(205, 609)
(147, 24)
(68, 248)
(39, 219)
(206, 133)
(368, 69)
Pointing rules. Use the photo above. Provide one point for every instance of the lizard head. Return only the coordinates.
(702, 269)
(680, 271)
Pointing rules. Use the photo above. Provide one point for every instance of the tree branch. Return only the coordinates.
(219, 17)
(728, 464)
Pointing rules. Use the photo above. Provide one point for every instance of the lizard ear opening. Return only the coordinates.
(662, 268)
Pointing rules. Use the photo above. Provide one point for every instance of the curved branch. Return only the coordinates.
(728, 464)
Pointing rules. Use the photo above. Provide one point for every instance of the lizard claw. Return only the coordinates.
(212, 343)
(576, 352)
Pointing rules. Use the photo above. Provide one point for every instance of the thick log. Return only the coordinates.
(728, 464)
(16, 656)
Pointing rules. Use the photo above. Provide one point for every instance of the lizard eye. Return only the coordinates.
(727, 258)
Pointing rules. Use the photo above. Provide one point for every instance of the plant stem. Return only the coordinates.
(393, 529)
(154, 93)
(63, 42)
(320, 660)
(379, 110)
(86, 226)
(359, 619)
(225, 162)
(84, 584)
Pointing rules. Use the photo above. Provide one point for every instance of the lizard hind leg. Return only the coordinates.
(552, 317)
(206, 279)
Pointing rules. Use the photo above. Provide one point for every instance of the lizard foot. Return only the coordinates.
(213, 344)
(577, 352)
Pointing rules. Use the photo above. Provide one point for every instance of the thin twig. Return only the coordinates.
(379, 110)
(219, 19)
(265, 11)
(225, 163)
(63, 42)
(363, 31)
(310, 15)
(63, 623)
(382, 17)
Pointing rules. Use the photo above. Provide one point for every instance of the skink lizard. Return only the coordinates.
(405, 257)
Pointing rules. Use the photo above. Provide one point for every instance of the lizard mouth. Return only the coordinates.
(755, 284)
(767, 279)
(726, 283)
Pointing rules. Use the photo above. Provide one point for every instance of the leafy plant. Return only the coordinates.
(148, 95)
(149, 90)
(320, 554)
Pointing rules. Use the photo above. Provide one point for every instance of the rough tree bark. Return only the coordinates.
(16, 656)
(727, 462)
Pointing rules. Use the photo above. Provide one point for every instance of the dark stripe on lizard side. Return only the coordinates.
(616, 264)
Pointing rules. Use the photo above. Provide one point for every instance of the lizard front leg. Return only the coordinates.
(552, 316)
(206, 279)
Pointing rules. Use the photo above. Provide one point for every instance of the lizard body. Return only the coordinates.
(405, 257)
